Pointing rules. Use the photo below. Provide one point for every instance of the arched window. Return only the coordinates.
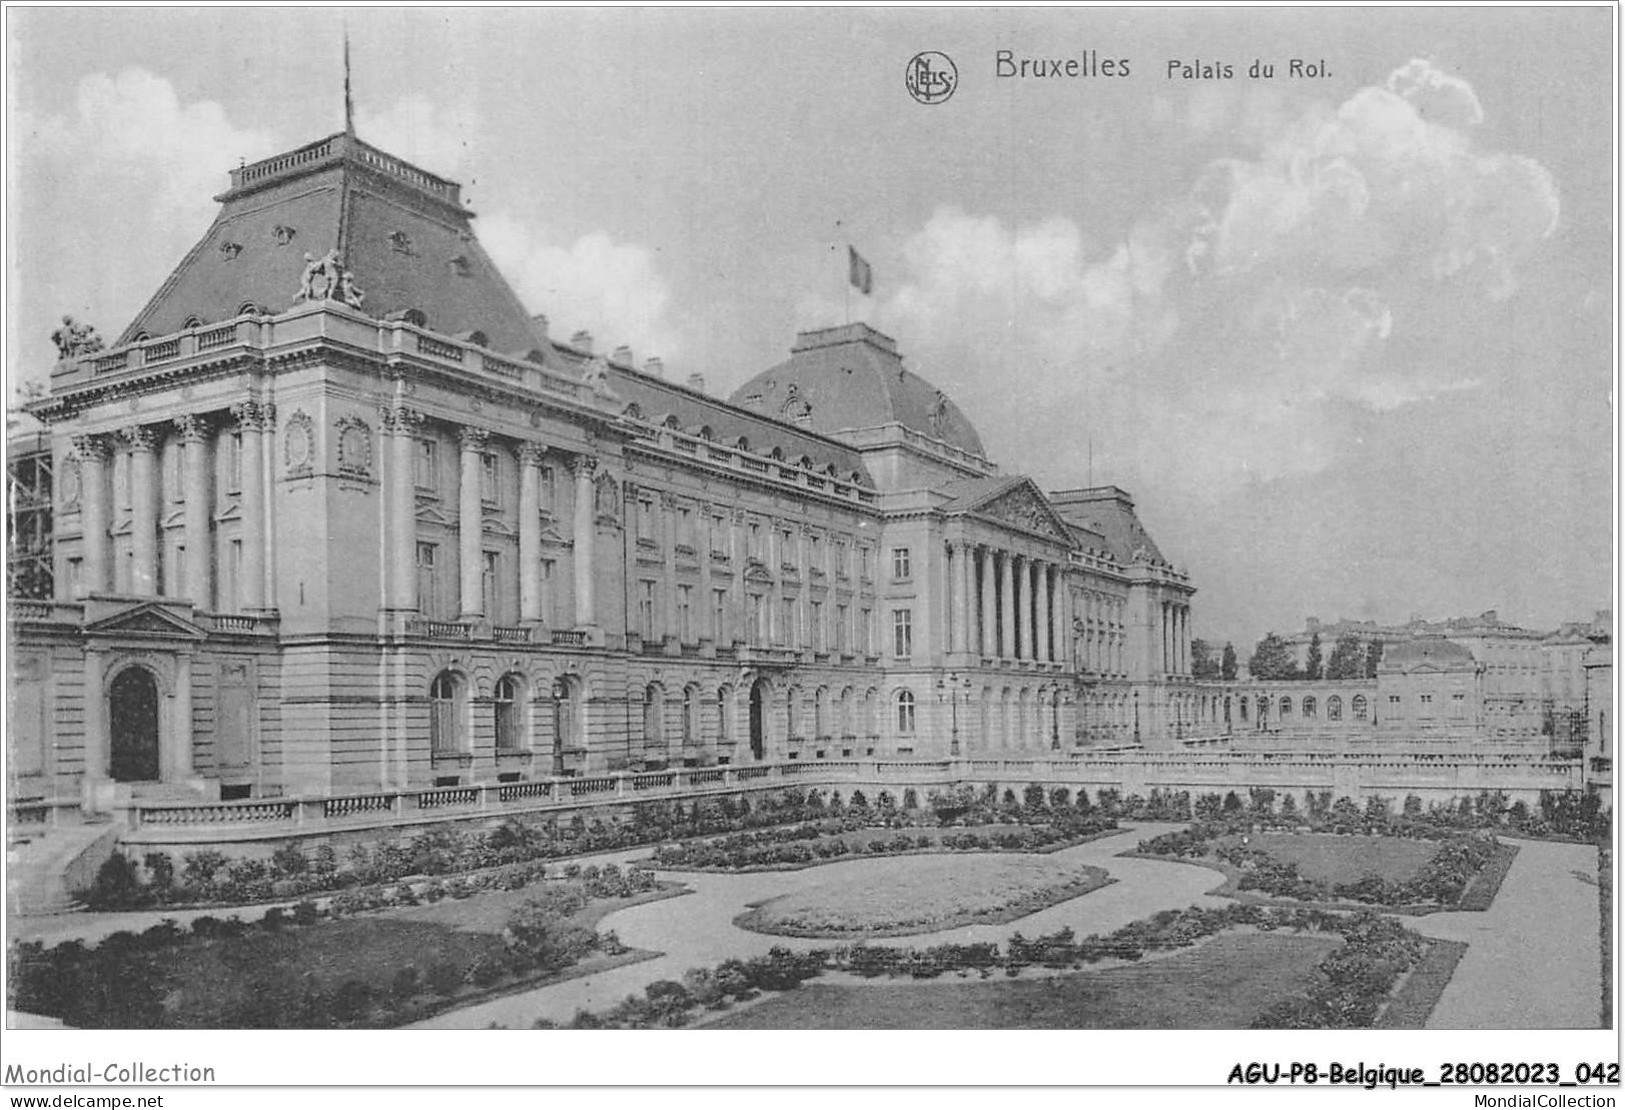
(1241, 703)
(415, 317)
(654, 727)
(1334, 708)
(445, 733)
(725, 700)
(506, 707)
(192, 322)
(248, 308)
(742, 443)
(1309, 707)
(905, 712)
(849, 726)
(1286, 708)
(1359, 707)
(691, 716)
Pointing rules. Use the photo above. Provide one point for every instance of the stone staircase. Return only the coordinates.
(45, 869)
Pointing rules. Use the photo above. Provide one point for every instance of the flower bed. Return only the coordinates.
(314, 969)
(1350, 988)
(874, 898)
(1441, 880)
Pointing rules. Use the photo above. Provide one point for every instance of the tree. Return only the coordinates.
(1272, 659)
(1348, 658)
(1373, 656)
(1203, 665)
(1227, 662)
(1313, 670)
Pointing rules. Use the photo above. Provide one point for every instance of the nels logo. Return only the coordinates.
(931, 77)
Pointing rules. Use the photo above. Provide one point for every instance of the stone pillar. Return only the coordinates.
(984, 562)
(471, 521)
(92, 452)
(737, 559)
(251, 589)
(964, 585)
(268, 596)
(143, 511)
(400, 426)
(583, 468)
(1025, 640)
(1008, 607)
(181, 726)
(1164, 630)
(668, 584)
(1047, 576)
(96, 765)
(194, 437)
(530, 532)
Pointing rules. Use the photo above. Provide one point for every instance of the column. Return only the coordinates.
(668, 585)
(400, 426)
(181, 727)
(471, 521)
(530, 532)
(1164, 629)
(96, 766)
(739, 611)
(251, 508)
(1007, 606)
(194, 437)
(143, 511)
(984, 562)
(1046, 592)
(1024, 607)
(965, 584)
(268, 597)
(92, 452)
(583, 468)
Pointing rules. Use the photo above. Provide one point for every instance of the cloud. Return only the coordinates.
(414, 128)
(610, 289)
(131, 156)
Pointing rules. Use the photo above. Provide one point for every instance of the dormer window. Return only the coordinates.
(229, 251)
(416, 317)
(248, 308)
(283, 234)
(192, 322)
(460, 266)
(400, 241)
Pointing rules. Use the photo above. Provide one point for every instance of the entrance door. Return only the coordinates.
(133, 720)
(758, 720)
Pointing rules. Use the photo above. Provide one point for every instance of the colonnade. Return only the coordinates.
(192, 576)
(1023, 611)
(1176, 637)
(401, 426)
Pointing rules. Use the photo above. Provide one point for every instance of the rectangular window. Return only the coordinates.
(428, 595)
(902, 629)
(787, 549)
(719, 616)
(719, 534)
(1393, 699)
(548, 493)
(685, 614)
(177, 572)
(817, 620)
(427, 477)
(867, 631)
(547, 590)
(815, 553)
(490, 479)
(899, 563)
(234, 463)
(754, 540)
(865, 567)
(685, 527)
(76, 578)
(646, 521)
(172, 473)
(490, 576)
(787, 622)
(646, 610)
(839, 553)
(234, 576)
(758, 620)
(841, 613)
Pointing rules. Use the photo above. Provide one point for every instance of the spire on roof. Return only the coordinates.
(349, 105)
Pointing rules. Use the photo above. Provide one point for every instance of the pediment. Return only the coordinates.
(492, 526)
(551, 537)
(145, 619)
(431, 514)
(758, 573)
(1023, 506)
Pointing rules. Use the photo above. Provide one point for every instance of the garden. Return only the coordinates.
(1237, 966)
(374, 957)
(880, 898)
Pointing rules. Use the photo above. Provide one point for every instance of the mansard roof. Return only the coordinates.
(401, 231)
(1108, 511)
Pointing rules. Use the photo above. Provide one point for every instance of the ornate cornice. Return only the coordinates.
(470, 438)
(192, 427)
(92, 447)
(395, 417)
(140, 437)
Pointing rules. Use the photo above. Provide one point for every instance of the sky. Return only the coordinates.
(1346, 338)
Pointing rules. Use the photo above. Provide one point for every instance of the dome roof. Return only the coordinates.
(1427, 649)
(844, 378)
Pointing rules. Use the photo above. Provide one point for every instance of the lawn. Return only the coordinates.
(883, 898)
(1347, 859)
(1223, 984)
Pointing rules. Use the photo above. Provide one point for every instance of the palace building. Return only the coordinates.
(337, 515)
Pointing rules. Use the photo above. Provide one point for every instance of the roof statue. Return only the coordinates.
(73, 340)
(325, 279)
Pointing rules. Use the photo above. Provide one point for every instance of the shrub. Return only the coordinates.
(444, 977)
(116, 885)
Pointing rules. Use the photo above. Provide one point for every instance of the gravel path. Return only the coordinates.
(698, 931)
(1532, 960)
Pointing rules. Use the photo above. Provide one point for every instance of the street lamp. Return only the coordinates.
(949, 688)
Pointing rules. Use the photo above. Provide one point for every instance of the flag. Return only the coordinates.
(858, 272)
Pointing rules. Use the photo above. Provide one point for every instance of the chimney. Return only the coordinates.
(582, 341)
(655, 366)
(622, 355)
(696, 382)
